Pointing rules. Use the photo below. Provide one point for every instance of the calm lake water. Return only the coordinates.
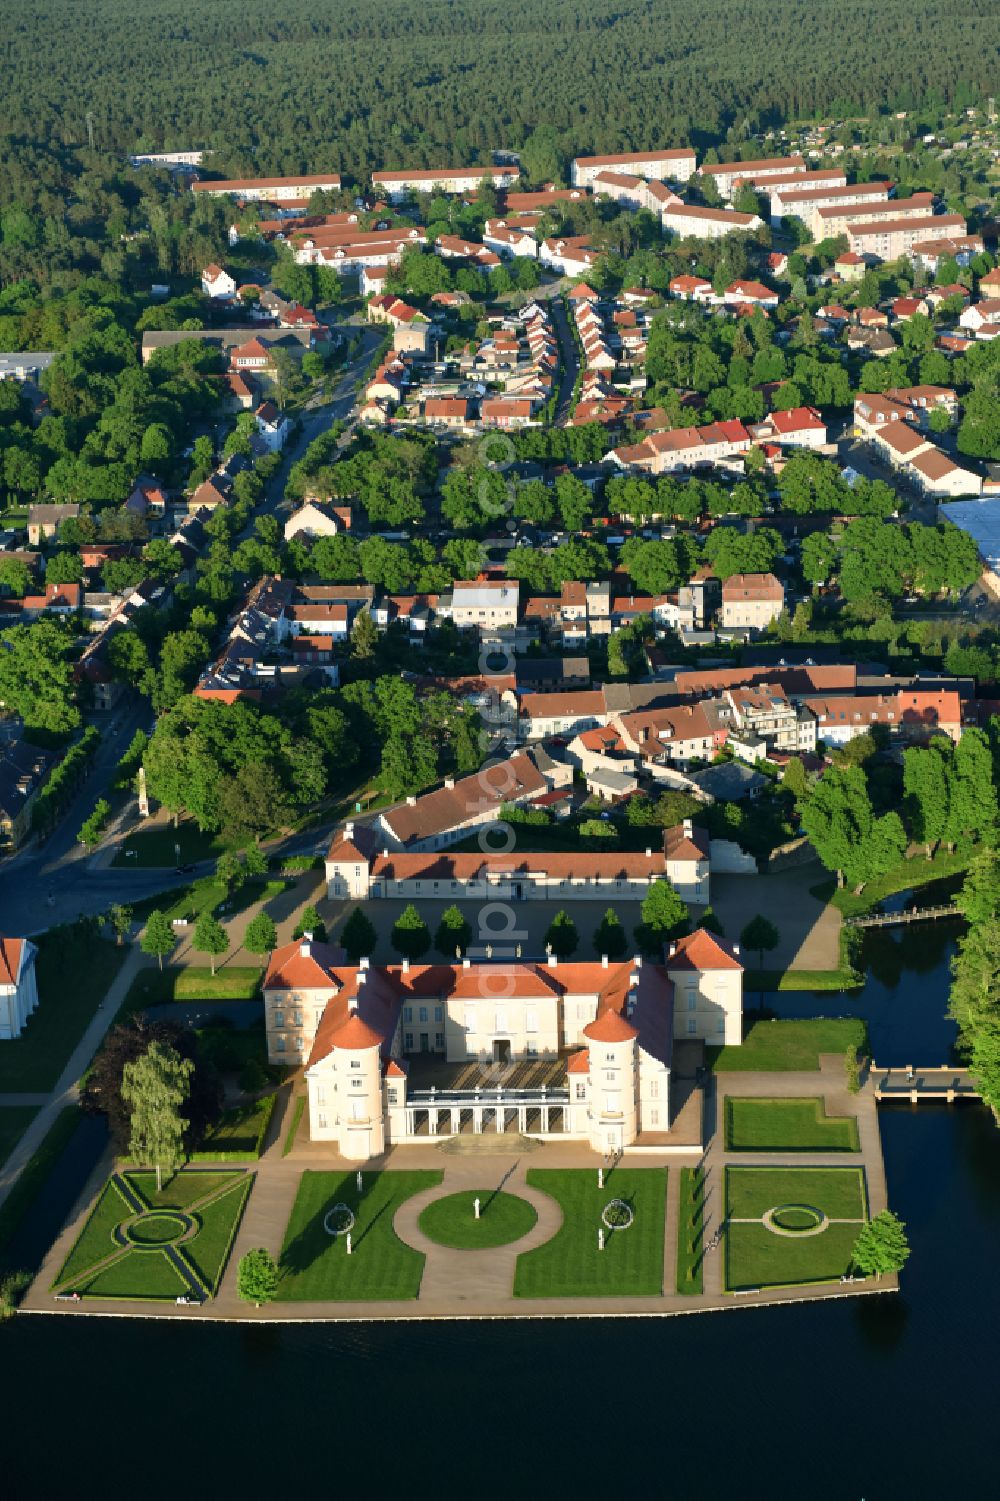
(879, 1398)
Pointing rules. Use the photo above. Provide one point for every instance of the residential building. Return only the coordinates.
(437, 819)
(217, 283)
(23, 771)
(318, 518)
(45, 520)
(401, 184)
(270, 189)
(697, 221)
(487, 605)
(18, 986)
(675, 165)
(751, 600)
(727, 175)
(272, 425)
(892, 238)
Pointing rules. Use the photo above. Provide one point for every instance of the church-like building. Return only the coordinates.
(560, 1048)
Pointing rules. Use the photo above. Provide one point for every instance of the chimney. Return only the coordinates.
(352, 1003)
(449, 783)
(348, 831)
(466, 962)
(364, 963)
(553, 961)
(604, 961)
(736, 949)
(672, 950)
(688, 827)
(637, 961)
(411, 802)
(649, 853)
(305, 947)
(307, 937)
(405, 966)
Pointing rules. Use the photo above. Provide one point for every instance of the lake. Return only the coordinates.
(877, 1398)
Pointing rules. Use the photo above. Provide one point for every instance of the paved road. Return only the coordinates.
(569, 360)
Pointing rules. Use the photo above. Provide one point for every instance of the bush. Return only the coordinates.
(252, 1077)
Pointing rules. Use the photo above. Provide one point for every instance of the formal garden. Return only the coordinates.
(318, 1262)
(154, 1244)
(791, 1226)
(787, 1125)
(788, 1045)
(610, 1243)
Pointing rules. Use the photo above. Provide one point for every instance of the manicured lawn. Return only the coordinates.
(760, 1125)
(95, 1241)
(240, 1130)
(756, 1257)
(158, 846)
(788, 1044)
(690, 1233)
(184, 1189)
(838, 1191)
(799, 979)
(143, 1275)
(570, 1265)
(74, 971)
(452, 1221)
(14, 1121)
(315, 1266)
(149, 1274)
(193, 982)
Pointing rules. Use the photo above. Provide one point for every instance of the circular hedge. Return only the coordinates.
(451, 1221)
(796, 1217)
(151, 1231)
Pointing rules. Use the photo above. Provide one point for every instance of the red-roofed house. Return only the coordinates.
(18, 986)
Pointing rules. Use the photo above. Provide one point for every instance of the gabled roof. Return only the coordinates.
(304, 966)
(701, 950)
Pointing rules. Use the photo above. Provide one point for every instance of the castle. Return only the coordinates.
(396, 1053)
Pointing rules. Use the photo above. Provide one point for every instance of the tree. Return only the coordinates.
(358, 936)
(364, 635)
(410, 934)
(561, 937)
(760, 936)
(454, 933)
(881, 1246)
(310, 922)
(120, 918)
(156, 1087)
(261, 935)
(229, 870)
(210, 937)
(664, 915)
(609, 935)
(979, 897)
(159, 937)
(257, 1277)
(15, 576)
(36, 677)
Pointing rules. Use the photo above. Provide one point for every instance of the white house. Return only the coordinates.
(217, 283)
(18, 985)
(272, 425)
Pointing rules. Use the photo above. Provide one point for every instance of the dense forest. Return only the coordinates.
(352, 85)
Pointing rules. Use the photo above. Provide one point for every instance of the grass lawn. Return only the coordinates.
(800, 979)
(74, 972)
(33, 1179)
(452, 1221)
(570, 1265)
(838, 1191)
(157, 846)
(241, 1130)
(298, 1111)
(194, 982)
(144, 1275)
(690, 1231)
(787, 1044)
(760, 1125)
(14, 1121)
(315, 1266)
(756, 1257)
(148, 1274)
